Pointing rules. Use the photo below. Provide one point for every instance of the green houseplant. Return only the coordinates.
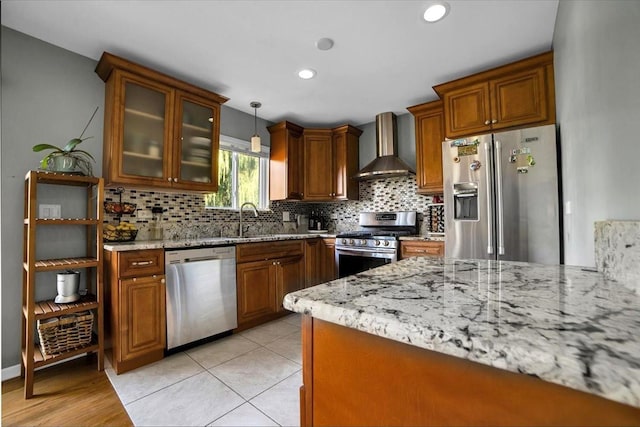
(68, 158)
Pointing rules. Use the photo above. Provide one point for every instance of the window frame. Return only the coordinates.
(236, 145)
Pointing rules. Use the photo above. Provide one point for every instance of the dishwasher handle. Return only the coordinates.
(207, 258)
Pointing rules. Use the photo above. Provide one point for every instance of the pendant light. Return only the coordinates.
(255, 139)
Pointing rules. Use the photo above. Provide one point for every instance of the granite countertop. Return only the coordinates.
(566, 325)
(422, 238)
(205, 241)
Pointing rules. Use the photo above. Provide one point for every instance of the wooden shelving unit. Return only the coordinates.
(33, 310)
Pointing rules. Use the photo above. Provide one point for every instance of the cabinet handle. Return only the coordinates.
(494, 121)
(486, 122)
(137, 263)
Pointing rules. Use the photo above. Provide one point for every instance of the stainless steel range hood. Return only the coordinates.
(386, 164)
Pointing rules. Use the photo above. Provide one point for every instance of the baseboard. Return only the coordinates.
(14, 371)
(10, 372)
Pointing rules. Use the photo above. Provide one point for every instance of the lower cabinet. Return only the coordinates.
(410, 248)
(256, 290)
(319, 257)
(135, 308)
(265, 273)
(328, 271)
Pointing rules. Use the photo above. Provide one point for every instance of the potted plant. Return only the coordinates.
(68, 158)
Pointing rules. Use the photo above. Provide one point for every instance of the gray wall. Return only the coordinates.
(48, 95)
(597, 64)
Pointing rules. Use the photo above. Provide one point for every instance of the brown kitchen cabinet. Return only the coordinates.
(422, 248)
(328, 260)
(286, 162)
(330, 162)
(312, 261)
(429, 125)
(256, 290)
(159, 132)
(136, 307)
(265, 272)
(511, 96)
(319, 257)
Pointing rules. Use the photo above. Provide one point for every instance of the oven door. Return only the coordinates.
(353, 261)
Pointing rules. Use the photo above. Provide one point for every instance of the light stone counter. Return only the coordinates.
(205, 241)
(566, 325)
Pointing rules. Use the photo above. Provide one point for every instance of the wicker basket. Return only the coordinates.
(64, 333)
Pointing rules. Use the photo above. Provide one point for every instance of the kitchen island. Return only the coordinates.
(434, 341)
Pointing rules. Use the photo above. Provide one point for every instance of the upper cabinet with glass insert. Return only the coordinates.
(158, 131)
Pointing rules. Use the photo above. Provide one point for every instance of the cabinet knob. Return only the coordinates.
(175, 179)
(169, 179)
(162, 280)
(494, 121)
(486, 122)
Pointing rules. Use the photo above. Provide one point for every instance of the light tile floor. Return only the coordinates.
(248, 379)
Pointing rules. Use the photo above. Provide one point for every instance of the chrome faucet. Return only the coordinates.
(255, 213)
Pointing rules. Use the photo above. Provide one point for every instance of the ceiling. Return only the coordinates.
(385, 56)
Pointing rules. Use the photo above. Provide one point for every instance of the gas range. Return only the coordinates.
(384, 239)
(376, 242)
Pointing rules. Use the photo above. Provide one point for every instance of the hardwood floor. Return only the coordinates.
(70, 394)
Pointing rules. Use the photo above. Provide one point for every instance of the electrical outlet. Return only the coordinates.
(144, 214)
(286, 217)
(49, 211)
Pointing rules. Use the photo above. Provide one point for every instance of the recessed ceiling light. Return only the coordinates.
(436, 12)
(307, 73)
(324, 43)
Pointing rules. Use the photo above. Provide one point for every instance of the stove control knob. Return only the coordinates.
(377, 242)
(386, 243)
(344, 241)
(351, 242)
(363, 242)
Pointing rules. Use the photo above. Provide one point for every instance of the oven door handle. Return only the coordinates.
(377, 253)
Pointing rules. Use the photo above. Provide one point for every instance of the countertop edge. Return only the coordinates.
(209, 241)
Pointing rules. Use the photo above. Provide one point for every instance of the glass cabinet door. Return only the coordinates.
(197, 150)
(145, 136)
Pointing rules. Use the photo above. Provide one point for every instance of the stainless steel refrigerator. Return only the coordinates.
(501, 196)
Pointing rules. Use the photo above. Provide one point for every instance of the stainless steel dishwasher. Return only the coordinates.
(201, 293)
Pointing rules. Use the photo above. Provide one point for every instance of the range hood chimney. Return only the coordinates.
(386, 164)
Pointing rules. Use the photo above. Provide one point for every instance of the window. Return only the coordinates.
(242, 176)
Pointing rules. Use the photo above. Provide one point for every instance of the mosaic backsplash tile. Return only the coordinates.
(185, 215)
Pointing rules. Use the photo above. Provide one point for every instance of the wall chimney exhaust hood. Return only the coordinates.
(386, 164)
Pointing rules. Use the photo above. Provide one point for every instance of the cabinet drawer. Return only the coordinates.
(140, 263)
(421, 249)
(268, 250)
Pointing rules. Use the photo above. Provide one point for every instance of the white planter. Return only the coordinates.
(62, 163)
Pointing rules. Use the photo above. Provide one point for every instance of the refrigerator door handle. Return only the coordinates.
(500, 204)
(487, 169)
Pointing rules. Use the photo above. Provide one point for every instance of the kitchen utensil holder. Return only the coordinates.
(64, 333)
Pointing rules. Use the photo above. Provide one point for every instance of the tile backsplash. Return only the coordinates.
(185, 215)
